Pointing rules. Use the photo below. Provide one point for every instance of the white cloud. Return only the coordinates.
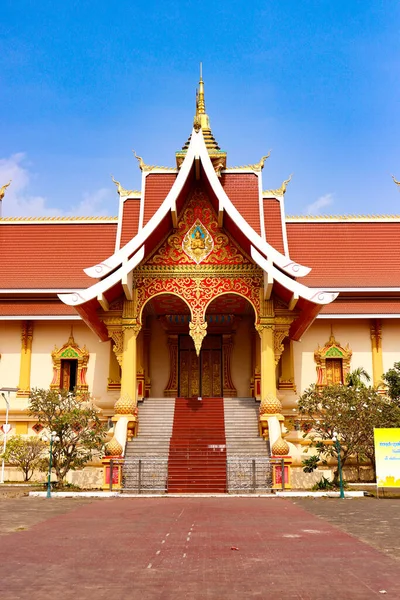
(315, 207)
(18, 202)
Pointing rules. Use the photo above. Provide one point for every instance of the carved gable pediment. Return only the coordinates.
(198, 239)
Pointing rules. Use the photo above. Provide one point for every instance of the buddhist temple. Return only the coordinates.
(196, 318)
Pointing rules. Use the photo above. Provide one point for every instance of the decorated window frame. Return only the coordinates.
(70, 351)
(332, 350)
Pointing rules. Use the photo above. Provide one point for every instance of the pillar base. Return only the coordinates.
(118, 461)
(277, 472)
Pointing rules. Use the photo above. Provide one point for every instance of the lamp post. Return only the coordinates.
(338, 449)
(52, 437)
(7, 426)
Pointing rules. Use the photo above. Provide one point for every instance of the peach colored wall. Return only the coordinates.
(355, 332)
(10, 351)
(47, 334)
(159, 358)
(241, 356)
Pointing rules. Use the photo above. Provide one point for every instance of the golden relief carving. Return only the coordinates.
(328, 371)
(176, 249)
(70, 351)
(26, 335)
(198, 243)
(395, 180)
(118, 346)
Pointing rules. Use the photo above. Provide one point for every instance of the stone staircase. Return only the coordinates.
(248, 468)
(146, 456)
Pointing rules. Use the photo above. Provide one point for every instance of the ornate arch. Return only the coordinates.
(235, 293)
(70, 351)
(197, 291)
(332, 350)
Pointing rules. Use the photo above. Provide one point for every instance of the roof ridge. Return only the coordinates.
(52, 219)
(340, 217)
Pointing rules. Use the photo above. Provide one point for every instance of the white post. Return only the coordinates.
(5, 434)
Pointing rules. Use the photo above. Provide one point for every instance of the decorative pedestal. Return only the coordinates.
(117, 462)
(277, 472)
(263, 426)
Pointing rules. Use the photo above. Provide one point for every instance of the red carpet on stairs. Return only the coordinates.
(197, 451)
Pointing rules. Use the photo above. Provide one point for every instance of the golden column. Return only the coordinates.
(376, 347)
(129, 360)
(130, 331)
(24, 384)
(268, 377)
(286, 379)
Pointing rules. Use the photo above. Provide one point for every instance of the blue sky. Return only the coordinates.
(82, 83)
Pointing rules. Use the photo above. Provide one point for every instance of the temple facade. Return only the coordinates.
(202, 287)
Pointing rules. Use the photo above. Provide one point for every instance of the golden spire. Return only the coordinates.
(201, 121)
(201, 105)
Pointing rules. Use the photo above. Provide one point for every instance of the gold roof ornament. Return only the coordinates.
(395, 180)
(257, 166)
(121, 191)
(3, 189)
(142, 164)
(146, 168)
(279, 191)
(202, 121)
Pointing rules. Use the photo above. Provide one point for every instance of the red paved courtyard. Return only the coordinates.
(173, 548)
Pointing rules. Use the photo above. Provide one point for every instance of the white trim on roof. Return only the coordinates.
(36, 290)
(360, 316)
(77, 298)
(344, 219)
(197, 148)
(57, 220)
(40, 318)
(363, 289)
(297, 288)
(261, 207)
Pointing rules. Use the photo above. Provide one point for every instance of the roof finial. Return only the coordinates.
(201, 106)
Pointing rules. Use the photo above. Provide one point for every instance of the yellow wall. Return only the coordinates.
(47, 334)
(355, 332)
(241, 356)
(10, 350)
(159, 358)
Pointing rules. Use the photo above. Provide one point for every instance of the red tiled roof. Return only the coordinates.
(156, 190)
(343, 254)
(362, 307)
(273, 223)
(52, 255)
(242, 190)
(130, 220)
(35, 308)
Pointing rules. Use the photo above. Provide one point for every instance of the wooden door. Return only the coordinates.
(200, 377)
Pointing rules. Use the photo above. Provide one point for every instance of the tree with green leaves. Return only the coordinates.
(76, 422)
(392, 379)
(352, 412)
(25, 453)
(358, 378)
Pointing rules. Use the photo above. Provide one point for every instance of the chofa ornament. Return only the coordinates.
(270, 405)
(113, 448)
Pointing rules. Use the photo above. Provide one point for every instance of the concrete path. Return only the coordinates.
(194, 548)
